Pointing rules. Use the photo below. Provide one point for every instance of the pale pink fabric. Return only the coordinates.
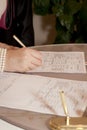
(12, 15)
(2, 20)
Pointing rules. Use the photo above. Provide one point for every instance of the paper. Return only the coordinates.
(62, 62)
(7, 126)
(41, 94)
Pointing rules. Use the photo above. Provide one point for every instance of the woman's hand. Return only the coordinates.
(3, 45)
(22, 59)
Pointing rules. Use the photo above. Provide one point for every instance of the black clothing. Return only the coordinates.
(22, 24)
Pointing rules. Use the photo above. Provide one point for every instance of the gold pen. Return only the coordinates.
(65, 107)
(19, 41)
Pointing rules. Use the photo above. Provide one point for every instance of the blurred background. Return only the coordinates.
(60, 21)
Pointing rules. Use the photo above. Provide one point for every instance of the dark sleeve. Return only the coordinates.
(24, 21)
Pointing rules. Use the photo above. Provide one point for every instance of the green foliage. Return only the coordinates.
(71, 18)
(41, 7)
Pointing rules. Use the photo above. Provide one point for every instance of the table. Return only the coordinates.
(36, 121)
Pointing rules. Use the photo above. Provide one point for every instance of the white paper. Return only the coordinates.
(41, 94)
(63, 62)
(7, 126)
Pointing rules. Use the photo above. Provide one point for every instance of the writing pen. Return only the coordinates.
(65, 107)
(19, 41)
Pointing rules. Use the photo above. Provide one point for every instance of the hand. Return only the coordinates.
(22, 59)
(3, 45)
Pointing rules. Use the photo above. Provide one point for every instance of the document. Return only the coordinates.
(62, 62)
(7, 126)
(42, 94)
